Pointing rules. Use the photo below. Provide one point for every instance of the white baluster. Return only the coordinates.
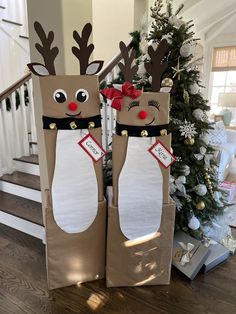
(15, 126)
(24, 131)
(32, 115)
(8, 137)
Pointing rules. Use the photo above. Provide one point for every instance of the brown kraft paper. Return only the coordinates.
(139, 262)
(75, 258)
(119, 149)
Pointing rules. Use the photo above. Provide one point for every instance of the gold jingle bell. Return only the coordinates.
(52, 126)
(167, 82)
(200, 205)
(73, 125)
(189, 141)
(163, 132)
(144, 133)
(91, 125)
(124, 133)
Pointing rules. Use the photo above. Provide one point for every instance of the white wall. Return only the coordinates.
(14, 52)
(112, 22)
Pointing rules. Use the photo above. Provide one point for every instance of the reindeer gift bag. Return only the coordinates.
(75, 215)
(140, 211)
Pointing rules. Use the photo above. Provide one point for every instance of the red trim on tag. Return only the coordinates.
(90, 155)
(155, 144)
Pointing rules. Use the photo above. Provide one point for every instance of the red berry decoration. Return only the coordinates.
(72, 106)
(142, 115)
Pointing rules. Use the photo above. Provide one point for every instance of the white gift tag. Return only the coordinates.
(162, 154)
(92, 147)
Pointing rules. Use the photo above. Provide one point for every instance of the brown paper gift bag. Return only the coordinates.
(139, 262)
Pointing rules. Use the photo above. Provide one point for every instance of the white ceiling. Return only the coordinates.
(211, 17)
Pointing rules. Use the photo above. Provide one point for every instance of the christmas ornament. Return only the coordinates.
(188, 129)
(205, 137)
(177, 70)
(200, 205)
(199, 114)
(166, 85)
(201, 189)
(203, 155)
(168, 37)
(189, 141)
(186, 96)
(194, 223)
(141, 69)
(186, 50)
(186, 170)
(175, 21)
(194, 89)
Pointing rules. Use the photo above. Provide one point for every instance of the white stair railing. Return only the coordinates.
(16, 123)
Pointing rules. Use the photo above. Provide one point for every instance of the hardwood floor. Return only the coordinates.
(23, 287)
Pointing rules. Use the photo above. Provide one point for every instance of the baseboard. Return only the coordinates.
(26, 167)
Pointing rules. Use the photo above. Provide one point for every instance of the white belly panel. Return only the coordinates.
(74, 186)
(140, 191)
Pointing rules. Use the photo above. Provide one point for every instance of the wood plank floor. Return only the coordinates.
(23, 287)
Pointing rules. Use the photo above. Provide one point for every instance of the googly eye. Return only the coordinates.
(60, 96)
(82, 95)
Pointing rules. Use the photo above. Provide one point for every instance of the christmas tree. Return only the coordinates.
(194, 185)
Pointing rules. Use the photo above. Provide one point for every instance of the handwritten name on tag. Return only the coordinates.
(92, 147)
(162, 154)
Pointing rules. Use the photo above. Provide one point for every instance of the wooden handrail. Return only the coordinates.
(108, 68)
(7, 92)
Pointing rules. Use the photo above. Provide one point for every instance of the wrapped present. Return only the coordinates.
(217, 255)
(230, 188)
(189, 254)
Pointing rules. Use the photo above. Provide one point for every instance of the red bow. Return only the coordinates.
(116, 95)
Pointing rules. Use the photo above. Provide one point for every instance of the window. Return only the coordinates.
(223, 76)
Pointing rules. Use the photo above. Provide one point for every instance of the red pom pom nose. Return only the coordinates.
(142, 115)
(72, 106)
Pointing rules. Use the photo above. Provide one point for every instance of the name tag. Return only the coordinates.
(162, 154)
(92, 147)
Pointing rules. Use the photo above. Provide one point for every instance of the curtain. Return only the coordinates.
(224, 58)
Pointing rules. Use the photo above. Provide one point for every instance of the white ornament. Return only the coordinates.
(201, 189)
(175, 22)
(141, 69)
(153, 44)
(194, 223)
(199, 114)
(188, 129)
(205, 137)
(186, 50)
(194, 89)
(168, 38)
(186, 170)
(203, 155)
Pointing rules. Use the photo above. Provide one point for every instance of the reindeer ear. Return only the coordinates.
(94, 67)
(38, 69)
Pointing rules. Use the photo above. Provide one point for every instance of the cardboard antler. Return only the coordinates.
(127, 69)
(49, 54)
(157, 67)
(84, 51)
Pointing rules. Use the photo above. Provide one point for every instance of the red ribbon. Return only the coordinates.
(116, 95)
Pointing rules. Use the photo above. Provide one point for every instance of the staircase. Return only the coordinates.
(20, 197)
(20, 193)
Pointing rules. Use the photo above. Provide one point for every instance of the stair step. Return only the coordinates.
(23, 179)
(32, 159)
(21, 207)
(12, 22)
(33, 143)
